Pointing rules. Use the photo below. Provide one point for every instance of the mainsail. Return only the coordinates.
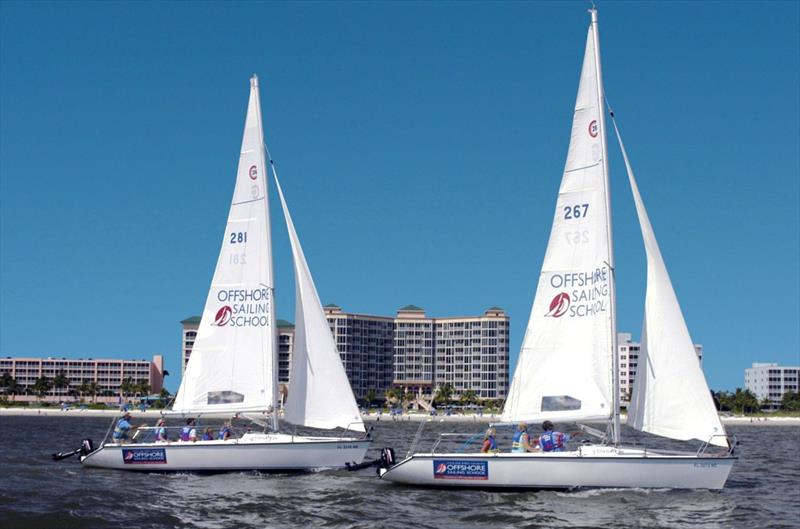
(231, 367)
(565, 367)
(319, 392)
(670, 395)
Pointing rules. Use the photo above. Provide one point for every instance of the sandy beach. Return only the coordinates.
(408, 417)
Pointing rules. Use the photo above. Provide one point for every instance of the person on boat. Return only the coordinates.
(225, 432)
(189, 432)
(122, 428)
(551, 441)
(521, 441)
(208, 435)
(161, 431)
(489, 441)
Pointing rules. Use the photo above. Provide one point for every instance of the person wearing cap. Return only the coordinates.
(161, 431)
(521, 441)
(551, 441)
(122, 428)
(489, 442)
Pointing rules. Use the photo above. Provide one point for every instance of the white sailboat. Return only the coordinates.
(568, 367)
(233, 367)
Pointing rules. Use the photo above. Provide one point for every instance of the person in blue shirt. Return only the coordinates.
(122, 428)
(208, 435)
(551, 441)
(225, 432)
(521, 441)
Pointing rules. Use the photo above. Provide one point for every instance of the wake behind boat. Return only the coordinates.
(234, 364)
(568, 368)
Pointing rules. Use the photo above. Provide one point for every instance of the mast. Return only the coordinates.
(612, 279)
(272, 322)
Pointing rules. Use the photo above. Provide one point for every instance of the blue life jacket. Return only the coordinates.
(492, 443)
(185, 433)
(223, 431)
(516, 445)
(551, 441)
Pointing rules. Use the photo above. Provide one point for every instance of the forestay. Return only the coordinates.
(670, 396)
(564, 371)
(231, 366)
(319, 391)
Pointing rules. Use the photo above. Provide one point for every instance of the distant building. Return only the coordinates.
(366, 346)
(771, 381)
(108, 374)
(410, 350)
(628, 351)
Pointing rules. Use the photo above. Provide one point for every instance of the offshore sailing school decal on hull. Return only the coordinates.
(450, 469)
(141, 456)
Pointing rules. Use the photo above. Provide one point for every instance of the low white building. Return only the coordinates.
(769, 380)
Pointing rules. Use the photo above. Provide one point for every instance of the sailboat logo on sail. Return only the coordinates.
(223, 316)
(253, 172)
(559, 305)
(593, 129)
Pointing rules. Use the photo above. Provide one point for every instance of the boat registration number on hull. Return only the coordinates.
(140, 456)
(453, 469)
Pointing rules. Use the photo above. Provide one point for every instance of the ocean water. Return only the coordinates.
(762, 491)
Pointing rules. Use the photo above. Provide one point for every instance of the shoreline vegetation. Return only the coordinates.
(763, 419)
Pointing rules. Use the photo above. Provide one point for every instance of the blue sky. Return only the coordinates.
(420, 146)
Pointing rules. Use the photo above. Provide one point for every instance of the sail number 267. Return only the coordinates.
(575, 212)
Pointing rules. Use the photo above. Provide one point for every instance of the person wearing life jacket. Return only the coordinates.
(225, 432)
(188, 432)
(161, 431)
(551, 441)
(122, 428)
(208, 435)
(489, 442)
(521, 442)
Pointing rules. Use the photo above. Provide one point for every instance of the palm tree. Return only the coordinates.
(42, 386)
(370, 397)
(83, 388)
(468, 397)
(60, 381)
(10, 385)
(93, 388)
(126, 388)
(392, 395)
(142, 388)
(443, 395)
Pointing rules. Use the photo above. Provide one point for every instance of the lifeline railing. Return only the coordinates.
(732, 442)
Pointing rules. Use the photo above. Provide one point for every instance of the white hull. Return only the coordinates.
(594, 467)
(270, 452)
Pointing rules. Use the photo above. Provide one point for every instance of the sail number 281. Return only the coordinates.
(238, 237)
(575, 212)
